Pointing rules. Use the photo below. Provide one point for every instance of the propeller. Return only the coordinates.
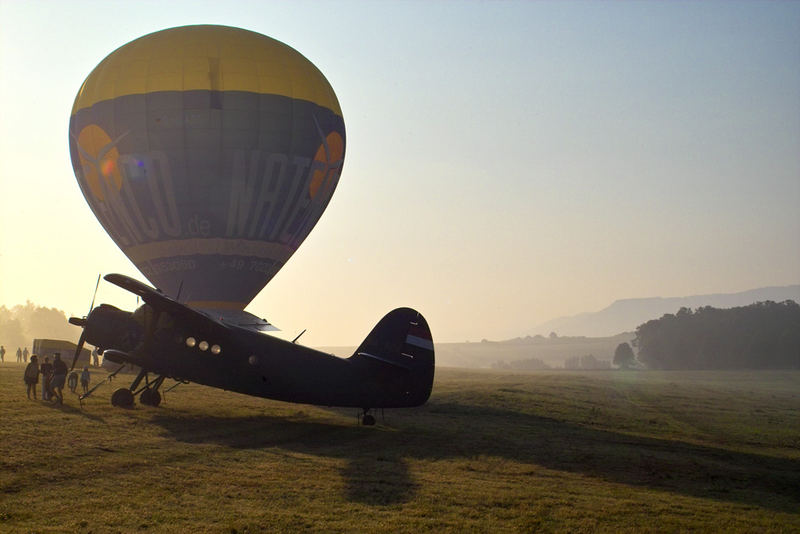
(82, 323)
(78, 349)
(94, 296)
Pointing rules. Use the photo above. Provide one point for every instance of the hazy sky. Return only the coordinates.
(507, 162)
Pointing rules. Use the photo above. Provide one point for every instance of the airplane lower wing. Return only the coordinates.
(118, 356)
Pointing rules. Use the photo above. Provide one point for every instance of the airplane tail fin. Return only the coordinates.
(400, 349)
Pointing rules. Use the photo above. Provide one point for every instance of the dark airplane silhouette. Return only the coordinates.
(393, 367)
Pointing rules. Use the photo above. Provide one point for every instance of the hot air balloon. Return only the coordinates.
(208, 153)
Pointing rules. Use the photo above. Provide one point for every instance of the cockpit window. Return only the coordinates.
(145, 315)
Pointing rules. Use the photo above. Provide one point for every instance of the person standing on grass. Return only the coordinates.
(85, 380)
(72, 381)
(32, 376)
(59, 377)
(47, 374)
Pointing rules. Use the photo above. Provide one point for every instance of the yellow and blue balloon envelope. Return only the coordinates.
(208, 153)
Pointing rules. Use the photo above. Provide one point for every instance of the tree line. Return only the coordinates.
(764, 335)
(22, 323)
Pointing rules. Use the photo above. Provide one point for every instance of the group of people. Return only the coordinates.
(53, 376)
(22, 354)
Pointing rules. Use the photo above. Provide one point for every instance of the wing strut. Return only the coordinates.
(298, 335)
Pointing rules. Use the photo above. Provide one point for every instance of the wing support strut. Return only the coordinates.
(109, 378)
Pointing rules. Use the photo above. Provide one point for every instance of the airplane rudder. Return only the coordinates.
(403, 340)
(419, 340)
(402, 335)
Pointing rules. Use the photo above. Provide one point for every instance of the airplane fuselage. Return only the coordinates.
(253, 363)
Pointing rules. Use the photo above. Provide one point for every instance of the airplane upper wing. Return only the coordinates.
(160, 301)
(242, 319)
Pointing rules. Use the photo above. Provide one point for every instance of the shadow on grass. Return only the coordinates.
(72, 410)
(377, 472)
(371, 476)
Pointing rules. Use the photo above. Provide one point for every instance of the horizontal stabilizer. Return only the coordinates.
(387, 361)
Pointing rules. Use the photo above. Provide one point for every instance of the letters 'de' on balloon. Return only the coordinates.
(208, 154)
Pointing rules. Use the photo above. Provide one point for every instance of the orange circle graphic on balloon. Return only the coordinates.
(99, 157)
(330, 153)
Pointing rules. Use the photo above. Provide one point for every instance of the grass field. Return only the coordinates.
(490, 452)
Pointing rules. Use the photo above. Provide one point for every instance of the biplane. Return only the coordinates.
(392, 368)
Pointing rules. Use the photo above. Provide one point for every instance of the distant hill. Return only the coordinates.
(595, 333)
(625, 315)
(550, 351)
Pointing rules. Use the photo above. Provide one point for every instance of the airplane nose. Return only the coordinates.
(78, 321)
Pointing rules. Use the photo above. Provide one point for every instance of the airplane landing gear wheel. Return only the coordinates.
(150, 397)
(122, 398)
(367, 420)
